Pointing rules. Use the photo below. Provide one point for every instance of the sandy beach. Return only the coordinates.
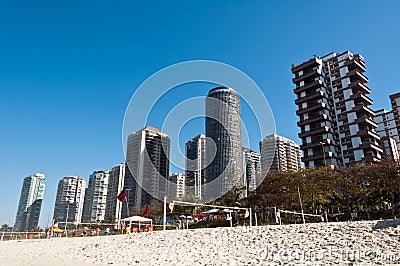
(368, 242)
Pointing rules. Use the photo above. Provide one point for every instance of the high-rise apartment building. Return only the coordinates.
(195, 166)
(387, 131)
(336, 122)
(147, 158)
(395, 102)
(30, 202)
(69, 200)
(252, 169)
(223, 129)
(94, 208)
(176, 186)
(115, 186)
(279, 154)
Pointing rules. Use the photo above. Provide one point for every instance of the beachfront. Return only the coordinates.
(366, 242)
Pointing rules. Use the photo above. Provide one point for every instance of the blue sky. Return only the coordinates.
(69, 68)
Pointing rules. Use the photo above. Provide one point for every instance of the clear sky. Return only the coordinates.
(69, 68)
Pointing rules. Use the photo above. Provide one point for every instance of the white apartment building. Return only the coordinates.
(252, 169)
(115, 186)
(195, 166)
(279, 154)
(69, 200)
(94, 208)
(176, 186)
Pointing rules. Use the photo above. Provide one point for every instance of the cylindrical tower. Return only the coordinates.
(223, 127)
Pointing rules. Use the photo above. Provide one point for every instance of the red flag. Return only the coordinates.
(121, 196)
(146, 211)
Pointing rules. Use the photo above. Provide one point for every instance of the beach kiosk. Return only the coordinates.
(138, 220)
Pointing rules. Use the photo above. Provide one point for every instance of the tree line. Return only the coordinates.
(371, 191)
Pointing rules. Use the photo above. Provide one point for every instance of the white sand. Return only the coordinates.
(310, 244)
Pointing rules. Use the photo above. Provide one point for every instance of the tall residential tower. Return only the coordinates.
(195, 166)
(147, 158)
(94, 208)
(30, 202)
(252, 169)
(279, 154)
(223, 129)
(69, 199)
(115, 186)
(336, 122)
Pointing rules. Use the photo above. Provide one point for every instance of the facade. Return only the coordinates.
(30, 202)
(69, 200)
(388, 133)
(279, 154)
(147, 167)
(94, 208)
(115, 186)
(395, 102)
(176, 186)
(252, 169)
(224, 140)
(336, 122)
(195, 166)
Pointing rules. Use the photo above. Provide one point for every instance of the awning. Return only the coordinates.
(57, 230)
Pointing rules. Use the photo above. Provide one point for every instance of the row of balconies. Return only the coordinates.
(357, 74)
(359, 86)
(307, 74)
(316, 143)
(317, 156)
(310, 108)
(314, 83)
(360, 108)
(366, 120)
(308, 64)
(354, 64)
(314, 131)
(312, 96)
(361, 97)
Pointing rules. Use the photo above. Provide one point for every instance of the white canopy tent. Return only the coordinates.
(137, 219)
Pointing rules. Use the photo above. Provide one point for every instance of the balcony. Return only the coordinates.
(317, 156)
(369, 133)
(310, 63)
(314, 131)
(368, 145)
(313, 119)
(315, 83)
(355, 64)
(366, 120)
(358, 86)
(362, 97)
(311, 108)
(369, 158)
(364, 110)
(358, 74)
(314, 144)
(309, 97)
(308, 74)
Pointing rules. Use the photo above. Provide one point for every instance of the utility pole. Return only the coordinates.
(165, 213)
(301, 205)
(127, 199)
(66, 220)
